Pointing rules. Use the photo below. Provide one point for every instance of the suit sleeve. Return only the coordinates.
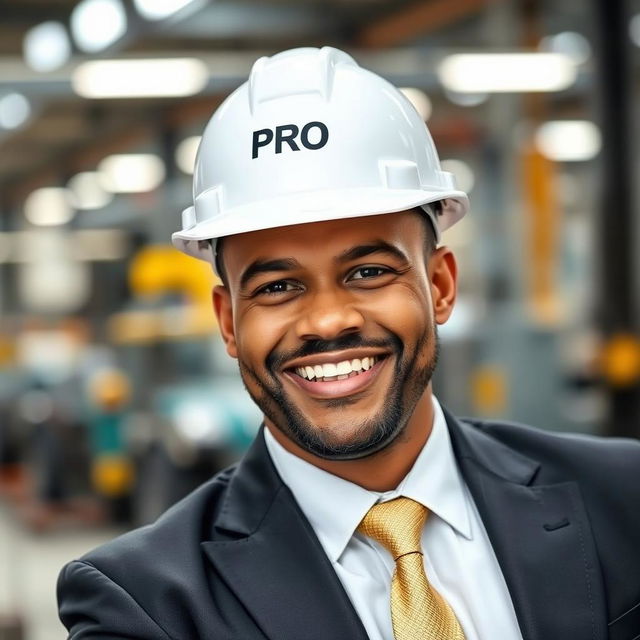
(91, 605)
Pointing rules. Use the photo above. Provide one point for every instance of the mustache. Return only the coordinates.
(275, 360)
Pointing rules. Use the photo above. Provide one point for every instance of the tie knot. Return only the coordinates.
(397, 525)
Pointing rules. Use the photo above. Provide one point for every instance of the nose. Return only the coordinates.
(328, 316)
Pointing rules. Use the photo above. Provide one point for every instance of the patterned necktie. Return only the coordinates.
(418, 611)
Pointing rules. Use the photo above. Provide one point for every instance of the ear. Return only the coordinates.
(443, 275)
(224, 312)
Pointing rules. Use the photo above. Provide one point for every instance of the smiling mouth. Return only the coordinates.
(331, 371)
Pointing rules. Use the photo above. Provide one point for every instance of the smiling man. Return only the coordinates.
(363, 510)
(337, 341)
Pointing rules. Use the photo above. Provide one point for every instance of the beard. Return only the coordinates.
(374, 433)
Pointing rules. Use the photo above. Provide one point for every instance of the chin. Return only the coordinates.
(332, 443)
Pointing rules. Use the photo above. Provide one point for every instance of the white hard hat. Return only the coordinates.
(312, 136)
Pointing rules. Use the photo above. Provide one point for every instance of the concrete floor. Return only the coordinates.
(29, 566)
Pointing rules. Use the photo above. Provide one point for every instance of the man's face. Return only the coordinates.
(333, 327)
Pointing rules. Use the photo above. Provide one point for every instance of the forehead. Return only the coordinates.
(315, 240)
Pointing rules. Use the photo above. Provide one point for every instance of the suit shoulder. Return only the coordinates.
(92, 605)
(618, 455)
(151, 576)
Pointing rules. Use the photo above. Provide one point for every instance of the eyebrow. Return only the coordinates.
(364, 250)
(262, 265)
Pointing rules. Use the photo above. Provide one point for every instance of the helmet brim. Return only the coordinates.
(318, 206)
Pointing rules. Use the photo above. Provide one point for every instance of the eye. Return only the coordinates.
(279, 286)
(365, 273)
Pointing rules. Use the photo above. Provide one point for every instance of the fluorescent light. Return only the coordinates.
(48, 206)
(87, 192)
(46, 46)
(463, 173)
(140, 78)
(466, 99)
(96, 24)
(186, 153)
(420, 100)
(572, 44)
(131, 172)
(506, 72)
(159, 9)
(568, 140)
(14, 110)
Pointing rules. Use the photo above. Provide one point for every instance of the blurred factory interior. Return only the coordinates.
(116, 396)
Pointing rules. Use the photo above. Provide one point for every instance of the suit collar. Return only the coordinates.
(255, 482)
(474, 446)
(277, 567)
(540, 534)
(253, 487)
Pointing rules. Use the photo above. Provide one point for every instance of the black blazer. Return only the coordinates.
(237, 559)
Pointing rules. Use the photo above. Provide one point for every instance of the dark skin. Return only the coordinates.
(367, 288)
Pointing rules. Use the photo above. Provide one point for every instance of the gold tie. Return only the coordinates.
(418, 611)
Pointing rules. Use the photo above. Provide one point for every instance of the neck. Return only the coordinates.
(382, 471)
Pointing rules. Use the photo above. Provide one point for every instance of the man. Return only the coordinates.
(363, 509)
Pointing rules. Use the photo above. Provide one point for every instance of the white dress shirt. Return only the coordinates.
(458, 557)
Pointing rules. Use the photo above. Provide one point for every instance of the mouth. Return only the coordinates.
(338, 370)
(337, 378)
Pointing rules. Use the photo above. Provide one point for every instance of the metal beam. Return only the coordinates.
(417, 20)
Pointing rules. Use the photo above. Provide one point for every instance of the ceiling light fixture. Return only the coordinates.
(143, 78)
(14, 110)
(87, 192)
(46, 47)
(466, 99)
(48, 206)
(131, 172)
(570, 43)
(568, 140)
(97, 24)
(507, 72)
(160, 9)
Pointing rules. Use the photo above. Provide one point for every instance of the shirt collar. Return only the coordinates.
(434, 481)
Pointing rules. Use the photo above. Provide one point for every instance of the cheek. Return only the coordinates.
(258, 332)
(406, 307)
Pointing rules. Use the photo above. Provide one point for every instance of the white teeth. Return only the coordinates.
(344, 368)
(329, 370)
(341, 369)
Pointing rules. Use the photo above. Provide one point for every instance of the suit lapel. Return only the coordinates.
(540, 535)
(268, 554)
